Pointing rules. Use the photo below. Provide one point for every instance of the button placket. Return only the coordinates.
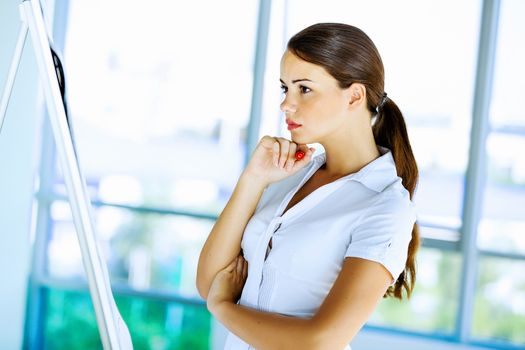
(254, 281)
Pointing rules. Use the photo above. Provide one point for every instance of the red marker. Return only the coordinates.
(299, 155)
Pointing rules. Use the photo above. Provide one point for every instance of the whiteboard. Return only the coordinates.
(113, 330)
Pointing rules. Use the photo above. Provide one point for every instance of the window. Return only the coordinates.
(160, 95)
(499, 311)
(143, 250)
(434, 304)
(160, 98)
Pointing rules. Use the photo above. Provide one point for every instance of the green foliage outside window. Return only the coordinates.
(70, 323)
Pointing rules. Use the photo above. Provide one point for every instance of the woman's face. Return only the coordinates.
(312, 99)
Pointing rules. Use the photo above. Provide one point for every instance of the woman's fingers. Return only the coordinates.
(245, 269)
(291, 156)
(240, 270)
(308, 154)
(284, 149)
(284, 153)
(276, 152)
(239, 265)
(299, 155)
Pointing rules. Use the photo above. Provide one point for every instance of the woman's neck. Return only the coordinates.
(349, 154)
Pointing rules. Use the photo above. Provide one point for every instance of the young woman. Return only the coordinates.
(311, 245)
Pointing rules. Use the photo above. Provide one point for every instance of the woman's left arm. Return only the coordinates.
(265, 330)
(353, 297)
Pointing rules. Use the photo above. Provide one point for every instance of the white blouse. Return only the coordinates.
(367, 214)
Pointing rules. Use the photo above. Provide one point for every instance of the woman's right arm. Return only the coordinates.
(268, 164)
(224, 242)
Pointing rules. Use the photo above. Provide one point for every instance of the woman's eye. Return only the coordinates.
(302, 88)
(305, 89)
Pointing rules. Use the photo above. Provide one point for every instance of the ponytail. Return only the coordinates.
(390, 131)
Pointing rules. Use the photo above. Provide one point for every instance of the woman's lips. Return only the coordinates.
(292, 125)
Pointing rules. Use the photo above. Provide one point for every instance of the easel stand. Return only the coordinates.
(113, 331)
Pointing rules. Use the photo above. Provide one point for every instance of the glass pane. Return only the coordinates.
(503, 222)
(434, 302)
(160, 97)
(143, 251)
(509, 78)
(272, 121)
(499, 310)
(429, 74)
(70, 323)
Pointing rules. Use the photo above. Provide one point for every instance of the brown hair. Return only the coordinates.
(349, 55)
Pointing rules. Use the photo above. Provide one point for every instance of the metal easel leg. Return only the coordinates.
(17, 56)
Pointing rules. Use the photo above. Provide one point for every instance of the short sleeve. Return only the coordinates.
(384, 233)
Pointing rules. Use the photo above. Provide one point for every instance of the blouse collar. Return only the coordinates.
(376, 175)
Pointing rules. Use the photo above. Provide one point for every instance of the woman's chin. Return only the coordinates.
(300, 139)
(296, 140)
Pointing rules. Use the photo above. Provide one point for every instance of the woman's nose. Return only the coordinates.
(288, 106)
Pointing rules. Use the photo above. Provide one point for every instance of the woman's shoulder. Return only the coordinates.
(394, 201)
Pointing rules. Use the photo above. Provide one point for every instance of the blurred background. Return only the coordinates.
(168, 99)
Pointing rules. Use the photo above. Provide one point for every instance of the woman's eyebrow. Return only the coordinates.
(297, 80)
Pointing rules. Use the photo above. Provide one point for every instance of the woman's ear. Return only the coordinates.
(356, 94)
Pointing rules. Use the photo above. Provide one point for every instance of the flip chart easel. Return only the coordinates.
(113, 331)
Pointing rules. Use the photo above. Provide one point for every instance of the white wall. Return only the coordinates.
(18, 158)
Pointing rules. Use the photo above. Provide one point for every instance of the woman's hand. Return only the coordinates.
(228, 283)
(274, 159)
